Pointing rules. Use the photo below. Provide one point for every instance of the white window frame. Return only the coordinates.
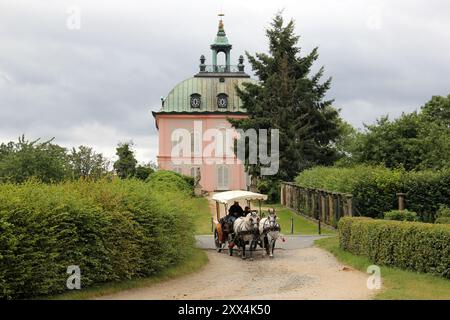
(223, 177)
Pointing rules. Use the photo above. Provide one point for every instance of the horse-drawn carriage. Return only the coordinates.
(253, 229)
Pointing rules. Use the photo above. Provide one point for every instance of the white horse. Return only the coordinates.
(269, 231)
(245, 229)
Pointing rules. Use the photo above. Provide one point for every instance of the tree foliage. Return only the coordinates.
(143, 171)
(417, 140)
(86, 163)
(125, 166)
(24, 159)
(291, 99)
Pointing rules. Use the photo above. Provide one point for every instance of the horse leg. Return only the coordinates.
(264, 246)
(243, 250)
(253, 245)
(272, 247)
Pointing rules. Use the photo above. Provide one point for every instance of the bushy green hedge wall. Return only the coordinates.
(443, 215)
(374, 188)
(416, 246)
(112, 230)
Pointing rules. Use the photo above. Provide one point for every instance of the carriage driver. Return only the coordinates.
(236, 210)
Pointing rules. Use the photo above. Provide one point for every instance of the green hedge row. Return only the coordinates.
(416, 246)
(112, 230)
(374, 188)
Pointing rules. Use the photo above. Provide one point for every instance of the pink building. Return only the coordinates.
(206, 100)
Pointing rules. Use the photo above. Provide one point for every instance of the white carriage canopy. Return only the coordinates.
(237, 195)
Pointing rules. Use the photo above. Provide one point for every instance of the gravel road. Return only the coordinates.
(298, 271)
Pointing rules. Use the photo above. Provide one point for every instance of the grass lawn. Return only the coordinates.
(302, 226)
(202, 216)
(197, 260)
(397, 284)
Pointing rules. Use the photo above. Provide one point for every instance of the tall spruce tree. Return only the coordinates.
(125, 166)
(290, 99)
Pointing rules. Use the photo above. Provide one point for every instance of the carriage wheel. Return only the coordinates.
(217, 241)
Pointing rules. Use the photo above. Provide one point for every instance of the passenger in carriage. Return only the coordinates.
(236, 210)
(246, 211)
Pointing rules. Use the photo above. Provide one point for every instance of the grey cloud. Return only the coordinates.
(97, 85)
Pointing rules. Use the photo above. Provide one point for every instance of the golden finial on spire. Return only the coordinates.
(221, 21)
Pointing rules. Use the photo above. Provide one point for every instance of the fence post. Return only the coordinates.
(292, 225)
(349, 205)
(322, 205)
(401, 201)
(339, 207)
(318, 224)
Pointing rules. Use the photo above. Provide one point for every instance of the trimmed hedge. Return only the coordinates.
(400, 215)
(416, 246)
(112, 230)
(374, 188)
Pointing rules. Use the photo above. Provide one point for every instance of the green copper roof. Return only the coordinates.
(178, 99)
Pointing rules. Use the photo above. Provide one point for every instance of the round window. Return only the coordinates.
(222, 100)
(196, 100)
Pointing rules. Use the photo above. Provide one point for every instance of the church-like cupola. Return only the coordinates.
(221, 45)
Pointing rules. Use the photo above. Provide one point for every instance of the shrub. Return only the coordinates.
(271, 188)
(443, 220)
(416, 246)
(426, 191)
(374, 188)
(164, 180)
(113, 230)
(443, 215)
(400, 215)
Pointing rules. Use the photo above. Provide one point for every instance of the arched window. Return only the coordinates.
(222, 178)
(221, 59)
(177, 142)
(196, 101)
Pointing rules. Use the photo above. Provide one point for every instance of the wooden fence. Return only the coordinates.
(326, 206)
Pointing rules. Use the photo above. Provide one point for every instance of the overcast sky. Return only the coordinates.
(98, 84)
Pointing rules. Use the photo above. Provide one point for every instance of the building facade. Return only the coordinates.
(204, 101)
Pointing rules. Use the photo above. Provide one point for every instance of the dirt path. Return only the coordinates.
(305, 273)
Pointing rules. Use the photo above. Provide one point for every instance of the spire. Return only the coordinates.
(221, 31)
(221, 38)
